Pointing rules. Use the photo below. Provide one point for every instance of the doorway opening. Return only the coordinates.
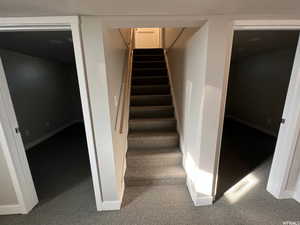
(40, 71)
(148, 37)
(260, 71)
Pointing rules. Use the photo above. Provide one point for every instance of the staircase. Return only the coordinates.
(153, 156)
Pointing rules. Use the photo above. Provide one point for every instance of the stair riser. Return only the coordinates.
(152, 125)
(144, 182)
(162, 113)
(137, 58)
(150, 81)
(153, 90)
(150, 100)
(147, 72)
(149, 142)
(149, 65)
(148, 162)
(148, 52)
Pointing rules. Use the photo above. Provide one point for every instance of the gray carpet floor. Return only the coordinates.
(161, 205)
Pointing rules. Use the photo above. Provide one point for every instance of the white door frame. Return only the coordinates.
(16, 156)
(289, 131)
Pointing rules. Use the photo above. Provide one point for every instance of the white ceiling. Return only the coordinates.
(146, 7)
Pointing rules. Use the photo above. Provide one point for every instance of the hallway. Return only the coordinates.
(153, 205)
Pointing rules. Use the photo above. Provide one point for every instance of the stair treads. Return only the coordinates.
(147, 158)
(152, 124)
(148, 58)
(150, 80)
(144, 100)
(149, 64)
(149, 71)
(160, 175)
(157, 51)
(151, 111)
(148, 140)
(150, 89)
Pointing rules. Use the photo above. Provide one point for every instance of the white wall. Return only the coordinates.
(45, 94)
(258, 87)
(187, 59)
(197, 63)
(104, 57)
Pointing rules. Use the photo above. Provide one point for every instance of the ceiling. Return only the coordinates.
(146, 7)
(249, 43)
(51, 45)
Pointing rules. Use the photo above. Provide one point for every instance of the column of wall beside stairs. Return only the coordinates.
(198, 82)
(92, 37)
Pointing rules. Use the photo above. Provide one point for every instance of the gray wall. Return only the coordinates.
(257, 89)
(45, 94)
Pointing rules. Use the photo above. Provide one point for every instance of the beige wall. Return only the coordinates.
(170, 35)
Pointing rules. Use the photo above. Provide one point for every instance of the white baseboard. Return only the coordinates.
(198, 198)
(256, 127)
(111, 205)
(297, 196)
(49, 135)
(10, 209)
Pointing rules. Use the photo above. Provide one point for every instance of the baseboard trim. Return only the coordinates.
(198, 198)
(49, 135)
(248, 124)
(297, 196)
(111, 205)
(11, 209)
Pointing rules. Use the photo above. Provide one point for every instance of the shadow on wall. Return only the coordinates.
(51, 174)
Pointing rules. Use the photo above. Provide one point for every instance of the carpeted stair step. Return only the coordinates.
(153, 157)
(150, 89)
(140, 57)
(144, 100)
(148, 140)
(149, 64)
(153, 51)
(162, 71)
(151, 111)
(159, 175)
(150, 80)
(152, 124)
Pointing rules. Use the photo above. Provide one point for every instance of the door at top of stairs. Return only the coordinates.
(147, 37)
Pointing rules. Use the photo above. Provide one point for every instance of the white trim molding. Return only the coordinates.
(11, 209)
(198, 199)
(16, 156)
(289, 131)
(111, 205)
